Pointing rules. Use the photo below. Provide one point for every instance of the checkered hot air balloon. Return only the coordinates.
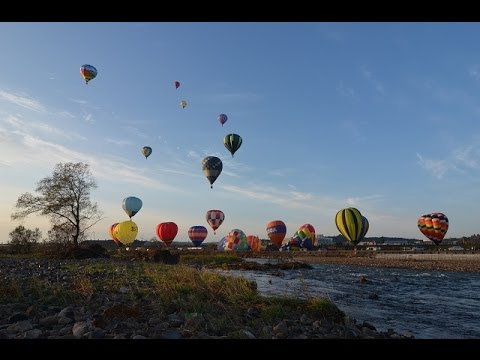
(212, 168)
(215, 219)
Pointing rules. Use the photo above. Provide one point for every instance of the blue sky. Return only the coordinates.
(384, 117)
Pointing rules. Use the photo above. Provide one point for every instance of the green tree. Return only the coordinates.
(64, 197)
(22, 240)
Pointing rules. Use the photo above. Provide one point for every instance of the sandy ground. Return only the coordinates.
(435, 262)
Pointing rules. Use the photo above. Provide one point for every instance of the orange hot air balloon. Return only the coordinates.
(111, 230)
(254, 242)
(434, 226)
(276, 231)
(167, 231)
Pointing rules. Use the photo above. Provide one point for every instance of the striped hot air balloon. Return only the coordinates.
(434, 226)
(111, 231)
(232, 142)
(350, 223)
(197, 234)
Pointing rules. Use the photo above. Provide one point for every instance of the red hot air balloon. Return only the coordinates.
(215, 218)
(167, 231)
(276, 231)
(197, 234)
(434, 226)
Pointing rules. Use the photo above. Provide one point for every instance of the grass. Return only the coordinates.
(209, 301)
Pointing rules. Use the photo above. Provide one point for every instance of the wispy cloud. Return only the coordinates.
(134, 131)
(118, 142)
(370, 78)
(282, 172)
(78, 101)
(297, 199)
(89, 118)
(193, 154)
(462, 159)
(26, 127)
(22, 100)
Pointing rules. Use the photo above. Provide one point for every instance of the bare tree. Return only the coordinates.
(64, 197)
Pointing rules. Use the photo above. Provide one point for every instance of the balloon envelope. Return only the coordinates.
(88, 72)
(183, 103)
(215, 218)
(254, 242)
(222, 118)
(212, 168)
(434, 226)
(276, 231)
(146, 151)
(197, 234)
(177, 84)
(132, 205)
(111, 231)
(236, 240)
(126, 232)
(167, 231)
(232, 142)
(350, 222)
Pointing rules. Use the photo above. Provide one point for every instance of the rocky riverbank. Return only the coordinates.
(118, 299)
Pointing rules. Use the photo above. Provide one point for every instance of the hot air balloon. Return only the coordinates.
(232, 142)
(132, 205)
(304, 237)
(183, 103)
(236, 240)
(177, 84)
(350, 223)
(365, 226)
(88, 72)
(276, 230)
(126, 232)
(167, 231)
(146, 151)
(221, 244)
(215, 218)
(222, 118)
(197, 234)
(254, 242)
(212, 167)
(111, 231)
(434, 226)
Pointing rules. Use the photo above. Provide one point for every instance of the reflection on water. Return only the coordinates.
(431, 305)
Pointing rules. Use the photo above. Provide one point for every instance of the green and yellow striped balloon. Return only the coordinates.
(350, 223)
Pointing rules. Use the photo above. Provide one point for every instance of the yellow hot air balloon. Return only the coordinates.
(183, 103)
(126, 232)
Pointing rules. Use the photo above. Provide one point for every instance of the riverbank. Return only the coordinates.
(427, 262)
(130, 299)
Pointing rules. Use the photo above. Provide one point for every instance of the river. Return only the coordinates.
(428, 304)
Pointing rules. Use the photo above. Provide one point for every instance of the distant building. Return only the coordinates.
(323, 240)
